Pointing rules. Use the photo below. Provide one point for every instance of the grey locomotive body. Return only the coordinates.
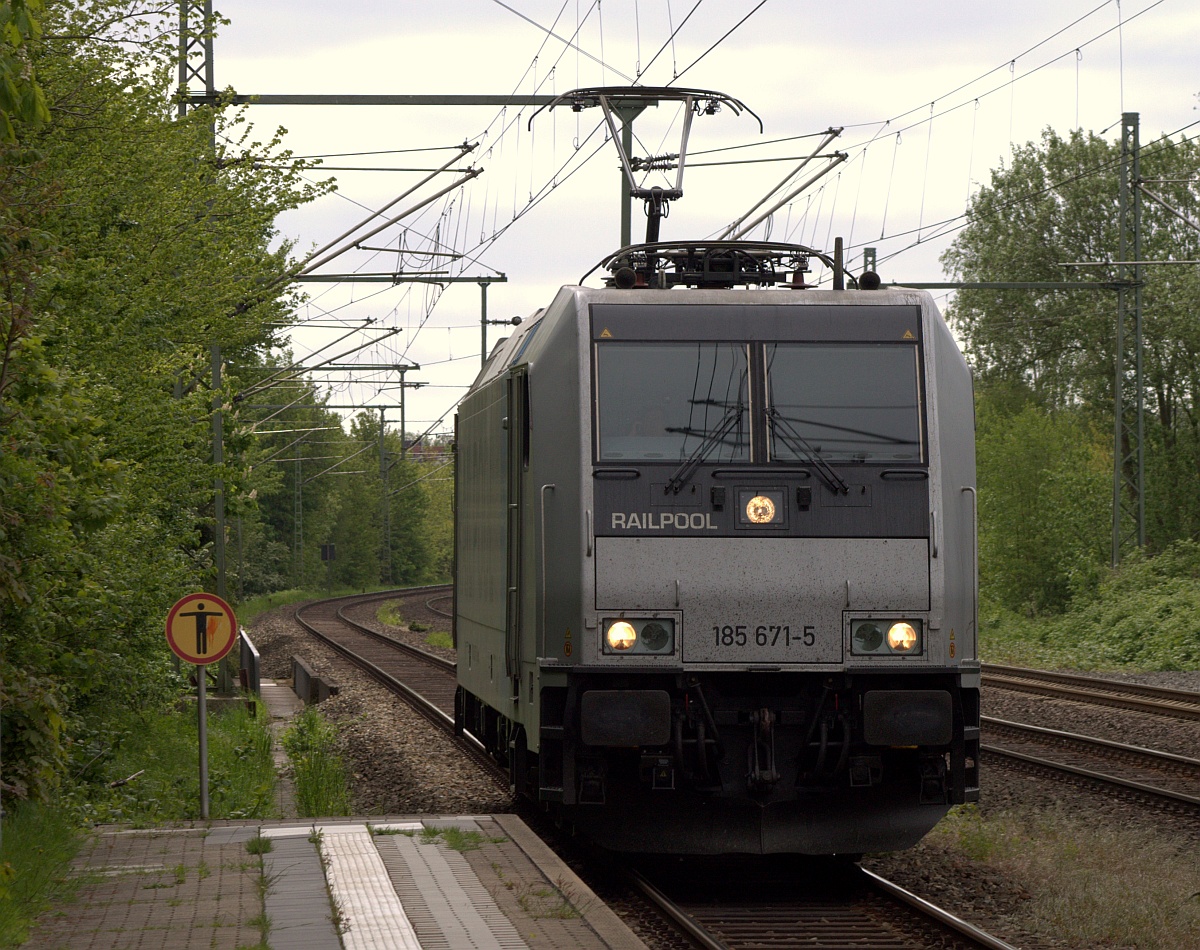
(715, 570)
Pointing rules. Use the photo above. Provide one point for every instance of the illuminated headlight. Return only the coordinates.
(620, 637)
(885, 637)
(902, 637)
(650, 636)
(761, 508)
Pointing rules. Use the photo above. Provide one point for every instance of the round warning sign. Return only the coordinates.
(201, 628)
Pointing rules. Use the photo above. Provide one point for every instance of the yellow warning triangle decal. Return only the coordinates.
(605, 335)
(908, 335)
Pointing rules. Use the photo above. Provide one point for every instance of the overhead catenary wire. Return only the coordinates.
(538, 195)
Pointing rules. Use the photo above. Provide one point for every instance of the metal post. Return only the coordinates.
(483, 321)
(298, 517)
(195, 51)
(202, 724)
(627, 113)
(383, 476)
(403, 423)
(1129, 498)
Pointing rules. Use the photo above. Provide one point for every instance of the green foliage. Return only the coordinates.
(322, 785)
(1142, 617)
(1056, 202)
(143, 767)
(1044, 490)
(128, 246)
(31, 724)
(39, 842)
(21, 99)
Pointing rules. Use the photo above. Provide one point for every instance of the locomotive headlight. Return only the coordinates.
(760, 510)
(621, 636)
(641, 636)
(655, 636)
(902, 637)
(867, 637)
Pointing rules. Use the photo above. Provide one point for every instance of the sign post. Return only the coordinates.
(201, 629)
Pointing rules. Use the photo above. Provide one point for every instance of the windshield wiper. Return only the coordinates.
(796, 442)
(681, 475)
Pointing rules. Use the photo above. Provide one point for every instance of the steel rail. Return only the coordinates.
(429, 710)
(437, 610)
(432, 659)
(676, 914)
(1104, 778)
(930, 914)
(957, 924)
(1177, 703)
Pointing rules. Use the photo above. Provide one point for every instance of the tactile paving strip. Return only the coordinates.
(371, 913)
(448, 907)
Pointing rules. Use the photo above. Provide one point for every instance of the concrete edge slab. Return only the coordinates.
(599, 916)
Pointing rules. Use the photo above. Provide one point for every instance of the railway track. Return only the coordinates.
(425, 681)
(815, 904)
(1177, 703)
(1160, 778)
(871, 912)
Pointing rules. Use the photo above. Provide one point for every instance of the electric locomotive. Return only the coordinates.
(715, 571)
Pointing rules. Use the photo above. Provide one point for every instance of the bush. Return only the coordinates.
(1144, 616)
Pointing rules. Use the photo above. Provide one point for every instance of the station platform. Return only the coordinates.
(378, 883)
(384, 884)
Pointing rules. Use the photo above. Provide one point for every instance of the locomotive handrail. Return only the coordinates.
(974, 555)
(543, 553)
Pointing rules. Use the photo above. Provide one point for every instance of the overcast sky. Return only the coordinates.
(930, 94)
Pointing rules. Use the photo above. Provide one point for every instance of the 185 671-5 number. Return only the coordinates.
(763, 635)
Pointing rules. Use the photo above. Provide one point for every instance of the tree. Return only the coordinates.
(128, 247)
(1056, 202)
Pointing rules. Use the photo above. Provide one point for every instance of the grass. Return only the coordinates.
(440, 638)
(251, 607)
(143, 767)
(1089, 885)
(456, 839)
(320, 775)
(38, 845)
(389, 614)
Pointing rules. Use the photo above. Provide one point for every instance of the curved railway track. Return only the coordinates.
(1177, 703)
(425, 681)
(873, 913)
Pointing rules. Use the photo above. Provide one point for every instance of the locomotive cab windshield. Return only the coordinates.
(846, 403)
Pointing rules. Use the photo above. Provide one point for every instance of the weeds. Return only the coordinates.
(141, 768)
(556, 902)
(259, 845)
(1091, 885)
(322, 786)
(456, 839)
(39, 843)
(389, 614)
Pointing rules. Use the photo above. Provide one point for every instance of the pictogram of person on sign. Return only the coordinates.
(201, 616)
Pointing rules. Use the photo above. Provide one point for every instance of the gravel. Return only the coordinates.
(402, 765)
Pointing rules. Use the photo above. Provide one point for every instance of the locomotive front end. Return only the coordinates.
(716, 583)
(781, 652)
